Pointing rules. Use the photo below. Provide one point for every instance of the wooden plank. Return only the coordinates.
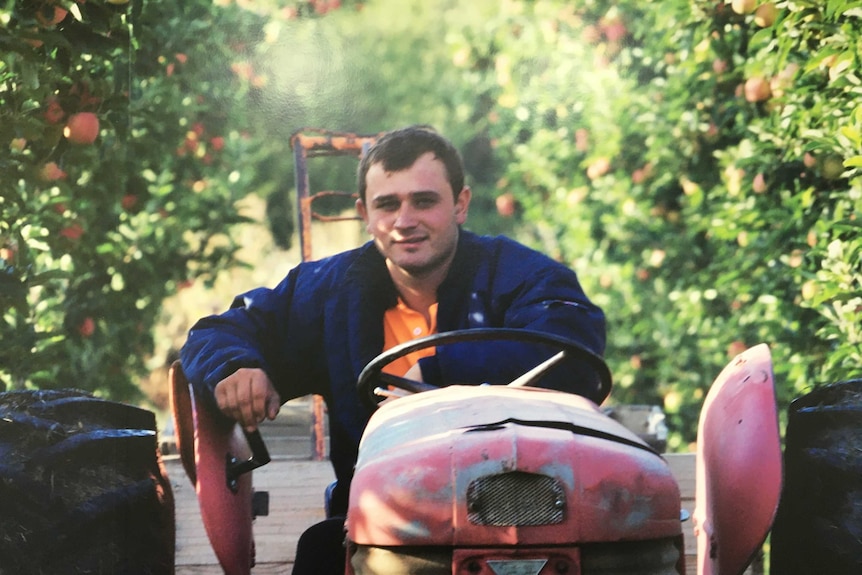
(682, 466)
(296, 501)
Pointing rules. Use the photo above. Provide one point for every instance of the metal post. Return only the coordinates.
(322, 143)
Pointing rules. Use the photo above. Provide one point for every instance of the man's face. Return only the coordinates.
(413, 215)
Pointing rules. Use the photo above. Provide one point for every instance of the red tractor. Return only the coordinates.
(505, 480)
(519, 480)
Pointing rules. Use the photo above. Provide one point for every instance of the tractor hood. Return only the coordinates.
(473, 465)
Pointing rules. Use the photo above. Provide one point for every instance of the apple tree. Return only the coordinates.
(698, 164)
(124, 148)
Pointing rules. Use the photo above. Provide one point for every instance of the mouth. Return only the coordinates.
(410, 242)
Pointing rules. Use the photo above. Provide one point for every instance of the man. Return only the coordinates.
(421, 274)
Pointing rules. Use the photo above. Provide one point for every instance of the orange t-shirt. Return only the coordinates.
(401, 324)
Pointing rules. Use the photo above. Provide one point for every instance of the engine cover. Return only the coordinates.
(469, 466)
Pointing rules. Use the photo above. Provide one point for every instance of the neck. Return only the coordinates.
(417, 292)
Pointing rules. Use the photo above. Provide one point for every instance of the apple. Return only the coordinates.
(506, 205)
(82, 128)
(18, 144)
(582, 139)
(49, 16)
(129, 201)
(756, 89)
(765, 15)
(51, 172)
(613, 29)
(72, 231)
(759, 184)
(217, 143)
(54, 112)
(598, 168)
(831, 166)
(783, 80)
(743, 6)
(735, 348)
(87, 327)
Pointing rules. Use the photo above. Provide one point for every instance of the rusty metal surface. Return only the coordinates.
(309, 143)
(419, 459)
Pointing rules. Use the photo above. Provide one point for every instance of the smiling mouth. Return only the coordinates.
(408, 242)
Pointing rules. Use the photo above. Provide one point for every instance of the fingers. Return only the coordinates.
(248, 396)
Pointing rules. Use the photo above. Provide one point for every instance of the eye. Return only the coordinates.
(387, 205)
(424, 202)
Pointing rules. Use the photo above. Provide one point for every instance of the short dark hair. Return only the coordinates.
(399, 149)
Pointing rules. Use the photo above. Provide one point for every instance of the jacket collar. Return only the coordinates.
(371, 292)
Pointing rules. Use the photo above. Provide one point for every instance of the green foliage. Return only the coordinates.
(93, 236)
(699, 168)
(702, 217)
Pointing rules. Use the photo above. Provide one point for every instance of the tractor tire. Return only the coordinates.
(818, 526)
(83, 489)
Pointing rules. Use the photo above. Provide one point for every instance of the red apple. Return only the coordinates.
(506, 205)
(51, 172)
(757, 89)
(72, 232)
(49, 16)
(759, 184)
(82, 128)
(54, 112)
(87, 327)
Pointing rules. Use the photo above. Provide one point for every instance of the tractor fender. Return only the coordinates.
(738, 475)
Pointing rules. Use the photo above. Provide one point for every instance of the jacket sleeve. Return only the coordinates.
(528, 291)
(252, 333)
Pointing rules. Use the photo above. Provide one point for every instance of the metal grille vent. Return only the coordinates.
(515, 498)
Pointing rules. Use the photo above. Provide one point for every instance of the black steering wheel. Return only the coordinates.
(373, 376)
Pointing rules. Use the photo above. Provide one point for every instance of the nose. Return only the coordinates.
(406, 217)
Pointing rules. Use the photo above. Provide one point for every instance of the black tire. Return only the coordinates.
(82, 487)
(818, 527)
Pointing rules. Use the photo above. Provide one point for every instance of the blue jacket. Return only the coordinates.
(323, 323)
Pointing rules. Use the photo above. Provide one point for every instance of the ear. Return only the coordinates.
(462, 205)
(361, 210)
